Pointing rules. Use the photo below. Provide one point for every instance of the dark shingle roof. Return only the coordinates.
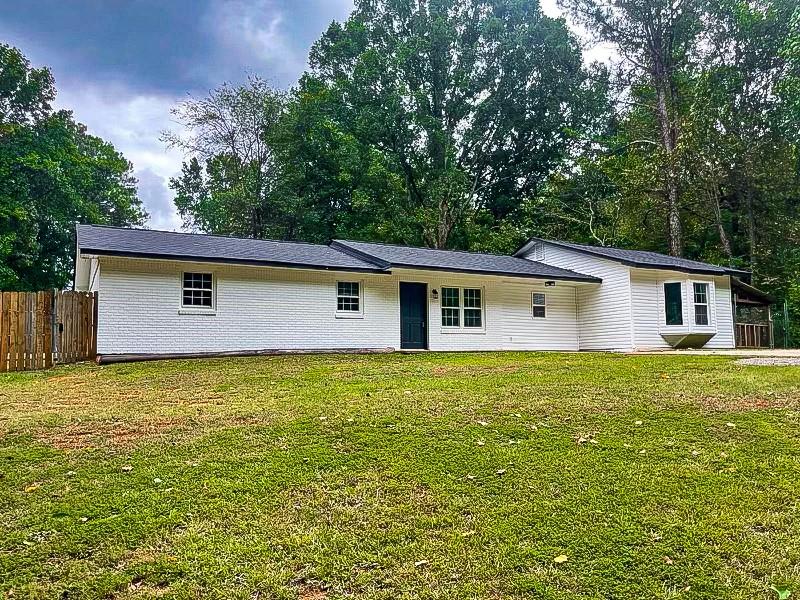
(387, 255)
(637, 258)
(116, 241)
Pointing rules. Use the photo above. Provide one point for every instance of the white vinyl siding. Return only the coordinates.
(604, 310)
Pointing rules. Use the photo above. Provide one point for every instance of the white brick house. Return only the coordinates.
(177, 293)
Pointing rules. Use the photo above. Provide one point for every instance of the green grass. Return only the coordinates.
(390, 476)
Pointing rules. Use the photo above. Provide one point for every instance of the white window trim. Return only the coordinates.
(461, 329)
(349, 314)
(535, 318)
(687, 307)
(663, 305)
(710, 303)
(198, 310)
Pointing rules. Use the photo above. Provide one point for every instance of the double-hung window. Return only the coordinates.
(700, 303)
(198, 290)
(451, 307)
(462, 307)
(348, 297)
(473, 307)
(538, 305)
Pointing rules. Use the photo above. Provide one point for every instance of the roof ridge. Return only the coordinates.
(426, 248)
(637, 250)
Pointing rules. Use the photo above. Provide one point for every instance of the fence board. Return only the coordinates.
(48, 330)
(18, 337)
(4, 335)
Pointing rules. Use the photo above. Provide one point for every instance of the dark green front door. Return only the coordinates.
(413, 315)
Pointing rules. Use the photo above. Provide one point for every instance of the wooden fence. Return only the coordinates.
(752, 335)
(38, 329)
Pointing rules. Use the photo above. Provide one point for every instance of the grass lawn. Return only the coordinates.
(398, 476)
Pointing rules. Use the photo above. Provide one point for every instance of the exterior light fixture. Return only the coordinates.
(435, 294)
(549, 284)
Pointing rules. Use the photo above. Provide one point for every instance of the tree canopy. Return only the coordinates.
(53, 174)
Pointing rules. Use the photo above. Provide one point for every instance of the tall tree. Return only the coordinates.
(431, 121)
(231, 181)
(654, 39)
(52, 175)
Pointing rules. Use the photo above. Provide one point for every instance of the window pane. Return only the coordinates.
(347, 288)
(347, 296)
(197, 289)
(701, 314)
(347, 304)
(197, 281)
(450, 317)
(701, 293)
(472, 298)
(472, 317)
(673, 304)
(538, 299)
(450, 297)
(539, 312)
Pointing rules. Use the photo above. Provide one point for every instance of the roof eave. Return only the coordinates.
(577, 278)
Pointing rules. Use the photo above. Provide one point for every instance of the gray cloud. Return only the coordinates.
(121, 66)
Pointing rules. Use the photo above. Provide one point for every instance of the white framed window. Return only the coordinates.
(538, 305)
(462, 308)
(473, 307)
(673, 303)
(451, 307)
(701, 312)
(349, 302)
(197, 291)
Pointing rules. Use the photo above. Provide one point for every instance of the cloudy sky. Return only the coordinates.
(120, 65)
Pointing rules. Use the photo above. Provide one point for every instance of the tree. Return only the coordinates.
(430, 122)
(231, 183)
(655, 39)
(52, 175)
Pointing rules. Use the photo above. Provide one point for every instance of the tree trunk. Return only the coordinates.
(713, 196)
(751, 225)
(668, 140)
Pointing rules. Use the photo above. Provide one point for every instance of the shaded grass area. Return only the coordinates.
(390, 476)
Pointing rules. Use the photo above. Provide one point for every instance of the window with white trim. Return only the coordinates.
(348, 297)
(473, 307)
(462, 307)
(538, 305)
(701, 316)
(451, 307)
(198, 290)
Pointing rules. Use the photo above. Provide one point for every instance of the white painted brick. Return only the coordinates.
(259, 308)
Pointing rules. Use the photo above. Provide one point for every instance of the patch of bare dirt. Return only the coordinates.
(311, 592)
(466, 370)
(748, 403)
(86, 434)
